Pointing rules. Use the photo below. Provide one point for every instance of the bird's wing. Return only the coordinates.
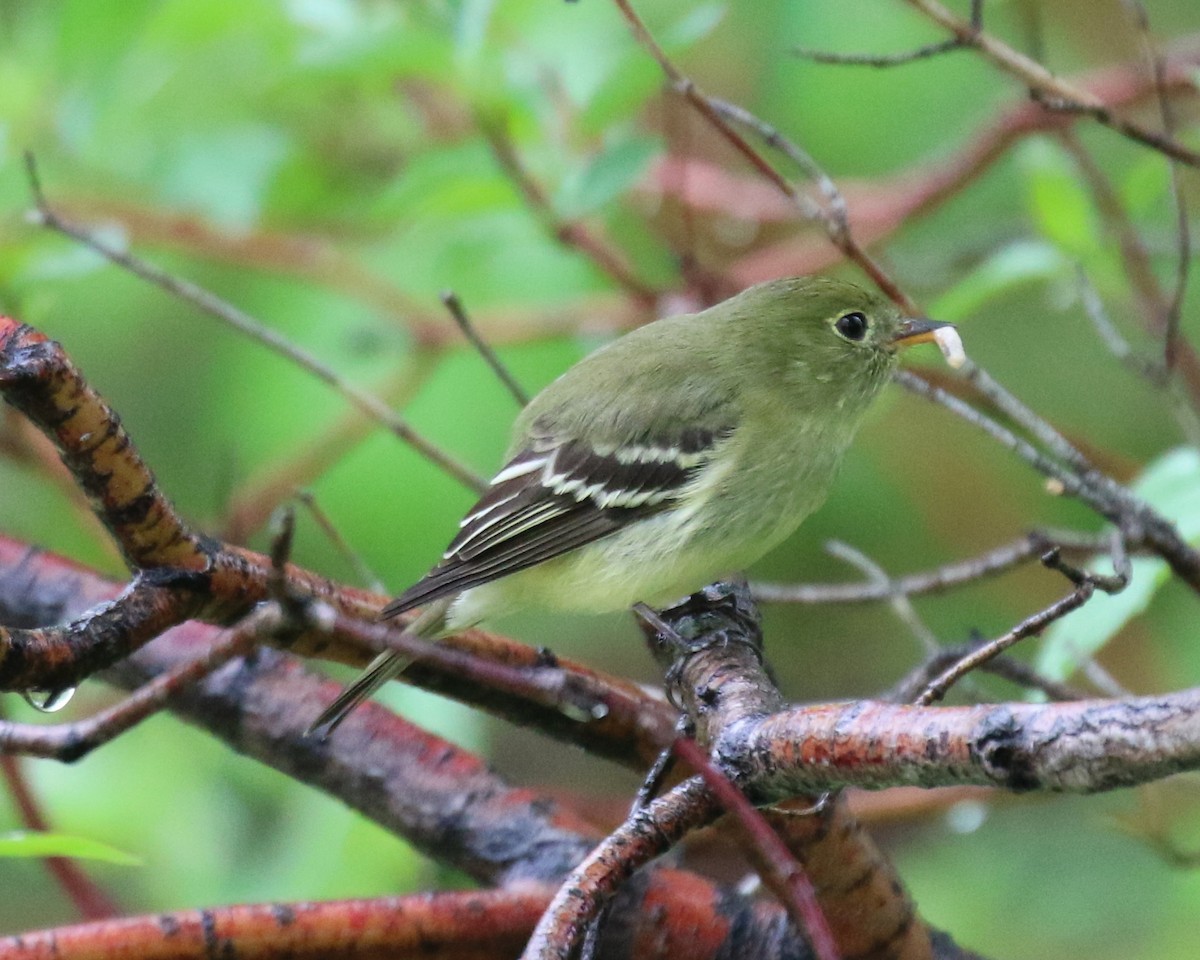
(556, 495)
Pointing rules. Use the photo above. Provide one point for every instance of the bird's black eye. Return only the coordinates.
(853, 326)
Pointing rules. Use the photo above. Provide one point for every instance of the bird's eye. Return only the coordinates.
(853, 326)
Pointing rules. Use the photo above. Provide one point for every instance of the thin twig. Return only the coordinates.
(1086, 585)
(1013, 408)
(1141, 525)
(1158, 70)
(712, 111)
(834, 217)
(1029, 627)
(1110, 336)
(897, 59)
(1005, 667)
(503, 374)
(70, 741)
(248, 326)
(1051, 91)
(1069, 482)
(897, 600)
(1114, 582)
(366, 576)
(1134, 255)
(567, 232)
(881, 60)
(995, 561)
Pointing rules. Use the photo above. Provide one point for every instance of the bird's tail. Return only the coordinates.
(387, 666)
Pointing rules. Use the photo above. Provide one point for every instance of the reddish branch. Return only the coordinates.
(831, 217)
(569, 233)
(1081, 747)
(878, 208)
(1049, 89)
(481, 925)
(412, 783)
(713, 646)
(479, 668)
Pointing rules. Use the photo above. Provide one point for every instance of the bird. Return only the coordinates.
(677, 453)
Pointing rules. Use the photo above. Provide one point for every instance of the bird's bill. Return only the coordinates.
(913, 331)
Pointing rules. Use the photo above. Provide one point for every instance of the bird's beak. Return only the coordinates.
(913, 331)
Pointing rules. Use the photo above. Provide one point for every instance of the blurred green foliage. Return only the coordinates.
(320, 164)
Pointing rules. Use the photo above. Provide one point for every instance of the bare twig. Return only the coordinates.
(1086, 584)
(366, 576)
(1158, 70)
(960, 42)
(711, 110)
(644, 836)
(1005, 667)
(1118, 346)
(1009, 405)
(882, 60)
(567, 232)
(898, 600)
(1154, 305)
(254, 500)
(248, 326)
(993, 562)
(503, 374)
(71, 741)
(1141, 526)
(1029, 627)
(1051, 91)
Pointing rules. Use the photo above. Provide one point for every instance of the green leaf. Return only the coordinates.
(1058, 200)
(606, 176)
(225, 173)
(698, 23)
(1018, 264)
(29, 843)
(1172, 486)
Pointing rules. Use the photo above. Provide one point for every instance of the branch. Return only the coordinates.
(1050, 90)
(1138, 523)
(245, 324)
(877, 208)
(569, 233)
(990, 563)
(832, 220)
(1086, 746)
(458, 925)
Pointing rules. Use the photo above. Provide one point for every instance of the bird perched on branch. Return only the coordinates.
(680, 452)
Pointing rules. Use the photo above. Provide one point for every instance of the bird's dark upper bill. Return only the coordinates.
(913, 331)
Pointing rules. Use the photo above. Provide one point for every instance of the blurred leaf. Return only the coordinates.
(1146, 185)
(1172, 486)
(1023, 262)
(698, 23)
(471, 26)
(606, 176)
(28, 843)
(1058, 200)
(634, 81)
(225, 173)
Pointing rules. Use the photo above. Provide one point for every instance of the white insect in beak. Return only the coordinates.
(950, 343)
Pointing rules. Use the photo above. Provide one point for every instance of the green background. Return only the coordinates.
(347, 131)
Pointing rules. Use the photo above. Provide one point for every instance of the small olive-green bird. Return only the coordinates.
(680, 452)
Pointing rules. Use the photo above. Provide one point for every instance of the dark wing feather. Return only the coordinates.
(552, 498)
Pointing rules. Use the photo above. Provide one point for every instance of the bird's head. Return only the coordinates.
(828, 338)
